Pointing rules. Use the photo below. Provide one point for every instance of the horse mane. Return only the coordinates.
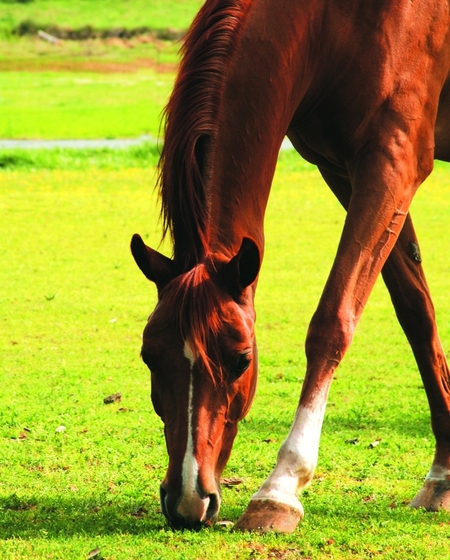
(198, 321)
(190, 122)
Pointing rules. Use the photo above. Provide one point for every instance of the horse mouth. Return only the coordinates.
(178, 521)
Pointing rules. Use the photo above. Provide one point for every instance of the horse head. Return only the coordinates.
(200, 347)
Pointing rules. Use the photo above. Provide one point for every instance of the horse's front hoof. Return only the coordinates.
(433, 496)
(264, 516)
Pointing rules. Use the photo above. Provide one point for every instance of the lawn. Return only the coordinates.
(77, 475)
(80, 478)
(101, 14)
(108, 88)
(61, 104)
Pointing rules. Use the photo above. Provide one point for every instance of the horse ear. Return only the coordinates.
(155, 266)
(242, 270)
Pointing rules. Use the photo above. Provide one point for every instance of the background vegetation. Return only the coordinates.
(96, 87)
(101, 14)
(79, 478)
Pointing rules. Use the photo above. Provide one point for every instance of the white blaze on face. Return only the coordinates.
(192, 506)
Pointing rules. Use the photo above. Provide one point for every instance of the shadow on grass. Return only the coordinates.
(362, 418)
(414, 427)
(141, 155)
(376, 514)
(29, 517)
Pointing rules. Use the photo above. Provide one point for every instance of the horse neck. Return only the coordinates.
(262, 90)
(241, 78)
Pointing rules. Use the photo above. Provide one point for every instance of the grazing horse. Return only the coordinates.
(361, 89)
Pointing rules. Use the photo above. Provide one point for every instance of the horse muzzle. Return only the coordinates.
(192, 510)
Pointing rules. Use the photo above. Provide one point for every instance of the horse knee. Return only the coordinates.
(328, 338)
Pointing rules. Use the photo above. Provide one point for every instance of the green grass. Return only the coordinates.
(81, 105)
(86, 89)
(101, 14)
(73, 306)
(92, 88)
(143, 155)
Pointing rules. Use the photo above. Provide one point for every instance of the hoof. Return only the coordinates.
(265, 516)
(433, 496)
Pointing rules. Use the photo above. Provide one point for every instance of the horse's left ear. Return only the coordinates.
(155, 266)
(242, 270)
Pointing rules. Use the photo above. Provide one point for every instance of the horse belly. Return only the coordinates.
(442, 128)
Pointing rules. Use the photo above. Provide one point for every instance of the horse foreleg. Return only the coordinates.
(376, 213)
(405, 279)
(275, 507)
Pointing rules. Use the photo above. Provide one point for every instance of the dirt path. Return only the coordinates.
(116, 143)
(80, 144)
(98, 66)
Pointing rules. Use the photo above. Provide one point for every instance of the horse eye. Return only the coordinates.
(242, 364)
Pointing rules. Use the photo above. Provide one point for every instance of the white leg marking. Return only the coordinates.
(438, 474)
(191, 506)
(297, 458)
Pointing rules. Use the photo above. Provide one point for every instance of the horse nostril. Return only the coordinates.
(190, 519)
(213, 509)
(162, 499)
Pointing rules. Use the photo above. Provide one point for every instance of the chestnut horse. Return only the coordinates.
(360, 87)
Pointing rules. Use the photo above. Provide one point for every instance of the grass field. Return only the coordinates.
(92, 88)
(80, 479)
(73, 307)
(101, 14)
(79, 105)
